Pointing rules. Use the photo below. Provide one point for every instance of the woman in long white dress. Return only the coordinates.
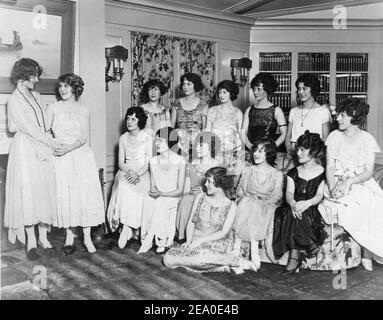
(79, 198)
(353, 198)
(167, 179)
(131, 184)
(30, 197)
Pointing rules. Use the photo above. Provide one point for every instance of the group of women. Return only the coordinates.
(174, 178)
(52, 177)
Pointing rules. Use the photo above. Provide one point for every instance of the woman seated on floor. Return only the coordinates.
(298, 226)
(167, 179)
(204, 148)
(209, 236)
(352, 196)
(259, 192)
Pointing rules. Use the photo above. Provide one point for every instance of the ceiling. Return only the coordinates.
(268, 8)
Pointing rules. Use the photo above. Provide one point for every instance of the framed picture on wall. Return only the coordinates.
(43, 30)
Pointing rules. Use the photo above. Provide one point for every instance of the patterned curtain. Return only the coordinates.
(154, 56)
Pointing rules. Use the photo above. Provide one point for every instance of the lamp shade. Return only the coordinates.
(241, 63)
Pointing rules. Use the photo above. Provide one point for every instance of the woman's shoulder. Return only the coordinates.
(292, 172)
(333, 136)
(370, 141)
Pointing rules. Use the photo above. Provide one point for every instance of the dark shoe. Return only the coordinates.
(69, 250)
(289, 272)
(49, 252)
(313, 250)
(32, 254)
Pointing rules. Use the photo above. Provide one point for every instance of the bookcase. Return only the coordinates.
(279, 65)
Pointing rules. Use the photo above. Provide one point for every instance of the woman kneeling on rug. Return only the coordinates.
(298, 226)
(353, 198)
(209, 237)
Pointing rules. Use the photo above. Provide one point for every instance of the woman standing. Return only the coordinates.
(79, 198)
(30, 197)
(298, 226)
(131, 184)
(209, 236)
(225, 120)
(158, 115)
(205, 146)
(353, 198)
(167, 179)
(189, 113)
(310, 115)
(259, 192)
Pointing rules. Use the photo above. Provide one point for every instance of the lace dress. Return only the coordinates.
(79, 196)
(208, 219)
(157, 120)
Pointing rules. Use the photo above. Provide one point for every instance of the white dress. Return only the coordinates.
(159, 215)
(30, 183)
(79, 197)
(360, 212)
(127, 200)
(312, 120)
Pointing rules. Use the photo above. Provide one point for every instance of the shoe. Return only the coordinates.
(367, 264)
(49, 252)
(160, 250)
(32, 254)
(313, 250)
(69, 250)
(287, 272)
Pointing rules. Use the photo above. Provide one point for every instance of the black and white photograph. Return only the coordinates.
(191, 155)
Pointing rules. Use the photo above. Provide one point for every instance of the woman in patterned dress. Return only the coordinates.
(158, 115)
(225, 120)
(189, 113)
(209, 236)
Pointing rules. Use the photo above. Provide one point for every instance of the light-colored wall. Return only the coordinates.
(230, 33)
(307, 35)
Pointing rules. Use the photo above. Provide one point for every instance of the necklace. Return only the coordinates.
(41, 110)
(304, 117)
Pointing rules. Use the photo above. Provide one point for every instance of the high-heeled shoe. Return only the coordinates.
(313, 250)
(367, 264)
(290, 272)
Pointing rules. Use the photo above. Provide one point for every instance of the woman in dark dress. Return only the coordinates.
(298, 226)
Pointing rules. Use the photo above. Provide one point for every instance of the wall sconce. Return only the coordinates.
(115, 55)
(240, 70)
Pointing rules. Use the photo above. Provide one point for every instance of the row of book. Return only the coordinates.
(274, 62)
(341, 97)
(282, 100)
(313, 62)
(284, 81)
(351, 83)
(352, 63)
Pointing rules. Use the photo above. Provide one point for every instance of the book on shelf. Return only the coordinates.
(274, 62)
(356, 63)
(351, 83)
(313, 62)
(282, 100)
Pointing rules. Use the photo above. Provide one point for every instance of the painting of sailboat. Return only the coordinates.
(19, 37)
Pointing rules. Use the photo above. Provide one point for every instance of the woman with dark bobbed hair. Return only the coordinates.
(79, 198)
(209, 235)
(167, 179)
(263, 119)
(297, 225)
(352, 195)
(189, 112)
(225, 121)
(30, 197)
(131, 184)
(310, 115)
(158, 115)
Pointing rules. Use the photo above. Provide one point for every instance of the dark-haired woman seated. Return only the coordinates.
(225, 120)
(189, 113)
(353, 199)
(131, 184)
(310, 115)
(209, 236)
(205, 146)
(259, 192)
(167, 179)
(298, 226)
(158, 115)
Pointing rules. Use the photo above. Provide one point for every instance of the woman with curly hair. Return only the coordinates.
(189, 113)
(79, 198)
(310, 115)
(297, 225)
(225, 120)
(209, 235)
(30, 197)
(352, 196)
(158, 115)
